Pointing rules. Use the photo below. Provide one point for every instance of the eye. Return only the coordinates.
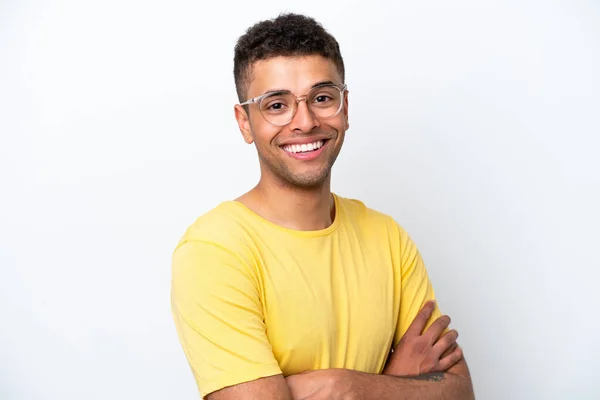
(277, 103)
(322, 98)
(275, 106)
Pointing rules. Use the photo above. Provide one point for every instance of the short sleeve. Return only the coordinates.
(217, 310)
(415, 287)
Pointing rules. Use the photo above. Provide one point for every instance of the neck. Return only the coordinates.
(304, 209)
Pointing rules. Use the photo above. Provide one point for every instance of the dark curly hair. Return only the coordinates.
(287, 35)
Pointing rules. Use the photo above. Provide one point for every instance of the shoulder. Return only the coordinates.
(356, 211)
(376, 225)
(223, 227)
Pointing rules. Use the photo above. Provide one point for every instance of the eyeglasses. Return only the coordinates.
(279, 108)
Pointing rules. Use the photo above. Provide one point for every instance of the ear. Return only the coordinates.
(243, 122)
(346, 110)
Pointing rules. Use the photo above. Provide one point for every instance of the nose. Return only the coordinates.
(304, 120)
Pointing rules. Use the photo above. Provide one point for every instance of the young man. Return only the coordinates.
(290, 291)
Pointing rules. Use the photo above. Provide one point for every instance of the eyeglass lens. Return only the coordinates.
(279, 108)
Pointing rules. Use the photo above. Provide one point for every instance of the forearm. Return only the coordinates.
(347, 384)
(433, 386)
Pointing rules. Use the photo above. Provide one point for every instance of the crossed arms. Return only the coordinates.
(218, 312)
(424, 365)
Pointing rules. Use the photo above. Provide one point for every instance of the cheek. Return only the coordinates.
(263, 132)
(339, 123)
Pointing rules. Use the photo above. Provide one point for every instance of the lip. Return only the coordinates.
(311, 155)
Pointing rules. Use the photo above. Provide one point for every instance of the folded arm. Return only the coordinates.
(454, 384)
(344, 384)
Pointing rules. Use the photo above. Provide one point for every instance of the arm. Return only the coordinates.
(455, 384)
(344, 384)
(217, 311)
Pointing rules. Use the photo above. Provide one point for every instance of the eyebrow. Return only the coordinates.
(323, 83)
(280, 91)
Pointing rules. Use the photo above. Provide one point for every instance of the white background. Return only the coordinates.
(475, 123)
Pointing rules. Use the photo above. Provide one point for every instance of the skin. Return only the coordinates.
(296, 194)
(292, 193)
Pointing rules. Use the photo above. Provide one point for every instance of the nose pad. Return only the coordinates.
(305, 101)
(305, 120)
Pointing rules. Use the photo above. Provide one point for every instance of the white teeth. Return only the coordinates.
(302, 148)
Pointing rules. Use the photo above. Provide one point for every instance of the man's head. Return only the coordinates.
(289, 35)
(278, 62)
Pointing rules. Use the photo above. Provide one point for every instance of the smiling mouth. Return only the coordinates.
(304, 148)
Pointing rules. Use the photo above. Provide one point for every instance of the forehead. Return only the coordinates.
(296, 74)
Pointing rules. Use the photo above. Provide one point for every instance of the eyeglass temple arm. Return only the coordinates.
(253, 100)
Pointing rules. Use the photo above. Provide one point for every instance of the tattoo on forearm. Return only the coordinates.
(432, 377)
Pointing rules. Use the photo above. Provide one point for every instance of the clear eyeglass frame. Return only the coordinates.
(298, 99)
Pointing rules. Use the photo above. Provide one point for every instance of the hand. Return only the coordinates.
(324, 384)
(420, 353)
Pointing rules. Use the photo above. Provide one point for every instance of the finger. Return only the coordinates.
(450, 360)
(418, 324)
(446, 344)
(449, 350)
(437, 328)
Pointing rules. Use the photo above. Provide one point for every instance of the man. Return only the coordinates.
(290, 291)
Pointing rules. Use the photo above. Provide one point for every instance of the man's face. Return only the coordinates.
(281, 158)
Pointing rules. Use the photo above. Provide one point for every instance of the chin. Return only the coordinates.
(292, 175)
(308, 180)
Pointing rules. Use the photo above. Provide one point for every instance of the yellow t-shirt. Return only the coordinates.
(252, 299)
